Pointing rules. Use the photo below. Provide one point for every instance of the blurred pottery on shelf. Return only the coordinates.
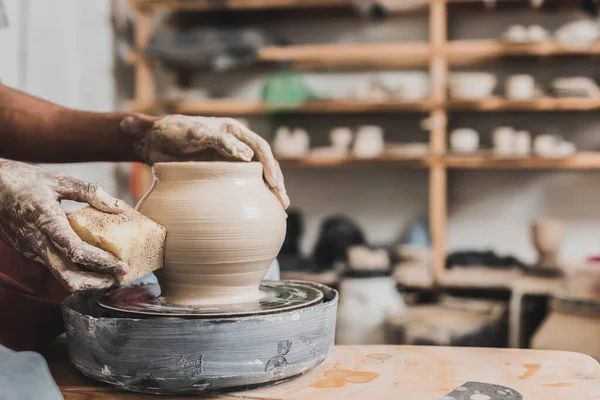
(520, 87)
(464, 140)
(537, 34)
(341, 138)
(547, 236)
(369, 142)
(504, 138)
(516, 34)
(290, 144)
(471, 85)
(576, 86)
(363, 307)
(552, 146)
(578, 34)
(413, 89)
(372, 90)
(520, 34)
(522, 144)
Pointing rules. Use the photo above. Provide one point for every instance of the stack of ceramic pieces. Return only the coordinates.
(579, 34)
(553, 146)
(290, 144)
(519, 34)
(414, 89)
(464, 140)
(368, 142)
(372, 90)
(471, 85)
(509, 142)
(578, 86)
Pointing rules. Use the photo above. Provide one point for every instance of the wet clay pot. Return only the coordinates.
(224, 228)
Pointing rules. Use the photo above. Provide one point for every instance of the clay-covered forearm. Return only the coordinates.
(32, 129)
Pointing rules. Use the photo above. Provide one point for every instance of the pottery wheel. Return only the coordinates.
(197, 356)
(146, 300)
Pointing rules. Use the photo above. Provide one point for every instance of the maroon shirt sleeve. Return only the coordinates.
(30, 299)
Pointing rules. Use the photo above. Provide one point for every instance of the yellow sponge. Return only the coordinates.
(130, 236)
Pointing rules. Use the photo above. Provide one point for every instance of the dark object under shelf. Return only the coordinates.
(337, 234)
(219, 48)
(293, 234)
(479, 258)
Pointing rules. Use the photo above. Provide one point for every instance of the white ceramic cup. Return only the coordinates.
(545, 145)
(464, 140)
(341, 137)
(503, 139)
(520, 87)
(369, 142)
(522, 143)
(471, 85)
(516, 34)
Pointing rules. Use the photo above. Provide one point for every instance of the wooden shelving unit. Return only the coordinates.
(372, 55)
(541, 104)
(582, 160)
(437, 55)
(415, 162)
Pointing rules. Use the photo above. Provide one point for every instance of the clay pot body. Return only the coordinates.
(547, 236)
(224, 228)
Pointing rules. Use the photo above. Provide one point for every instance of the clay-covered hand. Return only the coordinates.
(187, 138)
(34, 224)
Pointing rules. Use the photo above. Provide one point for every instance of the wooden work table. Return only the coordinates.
(392, 372)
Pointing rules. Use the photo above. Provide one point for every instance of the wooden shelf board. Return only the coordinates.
(399, 55)
(465, 52)
(540, 104)
(240, 107)
(582, 160)
(322, 162)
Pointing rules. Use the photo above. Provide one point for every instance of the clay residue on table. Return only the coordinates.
(558, 384)
(530, 370)
(376, 358)
(335, 378)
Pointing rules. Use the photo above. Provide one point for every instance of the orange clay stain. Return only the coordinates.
(530, 370)
(558, 384)
(376, 358)
(335, 378)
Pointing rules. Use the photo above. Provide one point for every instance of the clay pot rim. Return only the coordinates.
(166, 171)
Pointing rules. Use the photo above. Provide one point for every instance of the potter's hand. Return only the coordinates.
(34, 224)
(186, 138)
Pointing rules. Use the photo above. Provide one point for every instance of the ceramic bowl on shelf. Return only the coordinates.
(369, 142)
(515, 34)
(290, 144)
(504, 138)
(471, 85)
(464, 140)
(520, 34)
(553, 146)
(341, 137)
(520, 87)
(522, 143)
(578, 34)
